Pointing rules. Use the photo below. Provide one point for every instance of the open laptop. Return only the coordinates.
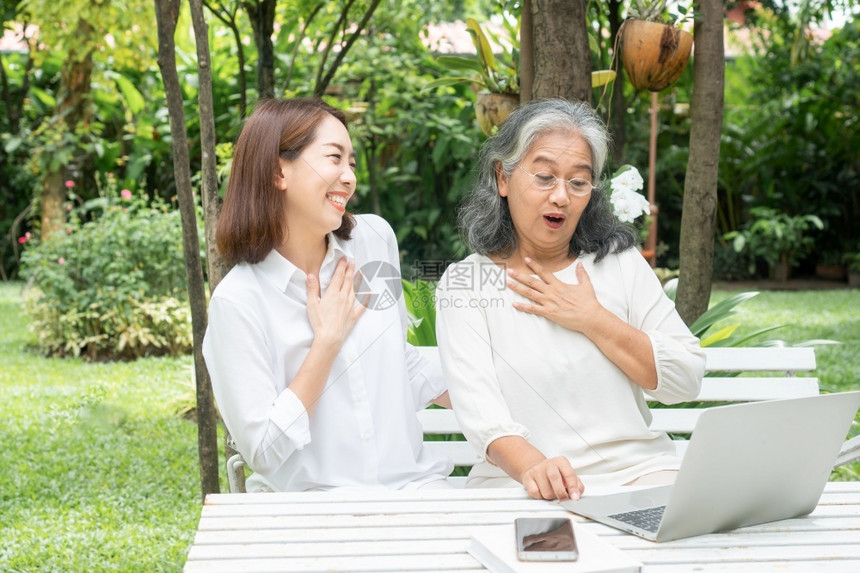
(746, 464)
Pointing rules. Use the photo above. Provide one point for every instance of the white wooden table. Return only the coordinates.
(429, 531)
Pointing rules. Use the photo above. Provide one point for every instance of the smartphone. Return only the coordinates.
(545, 539)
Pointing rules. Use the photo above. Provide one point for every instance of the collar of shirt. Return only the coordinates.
(281, 272)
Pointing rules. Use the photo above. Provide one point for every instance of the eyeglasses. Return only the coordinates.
(547, 181)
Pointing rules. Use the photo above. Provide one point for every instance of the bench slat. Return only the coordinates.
(675, 420)
(730, 359)
(742, 389)
(461, 453)
(772, 359)
(439, 421)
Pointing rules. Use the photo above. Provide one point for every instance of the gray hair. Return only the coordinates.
(485, 219)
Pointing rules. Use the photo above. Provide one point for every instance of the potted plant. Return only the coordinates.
(852, 261)
(495, 75)
(654, 53)
(778, 238)
(829, 266)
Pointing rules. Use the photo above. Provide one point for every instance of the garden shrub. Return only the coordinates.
(112, 287)
(730, 265)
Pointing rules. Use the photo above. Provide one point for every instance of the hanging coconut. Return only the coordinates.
(492, 109)
(654, 54)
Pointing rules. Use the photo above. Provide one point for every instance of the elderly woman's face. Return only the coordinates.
(547, 218)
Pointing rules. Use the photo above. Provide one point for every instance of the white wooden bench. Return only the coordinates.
(762, 373)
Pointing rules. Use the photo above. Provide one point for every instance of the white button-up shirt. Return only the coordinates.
(364, 431)
(517, 374)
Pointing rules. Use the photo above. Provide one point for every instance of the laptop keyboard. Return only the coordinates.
(647, 519)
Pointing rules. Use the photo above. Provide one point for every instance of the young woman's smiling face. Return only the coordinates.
(320, 182)
(545, 220)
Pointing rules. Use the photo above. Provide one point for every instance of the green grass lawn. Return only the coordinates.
(809, 315)
(98, 473)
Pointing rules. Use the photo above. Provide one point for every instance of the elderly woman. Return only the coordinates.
(556, 329)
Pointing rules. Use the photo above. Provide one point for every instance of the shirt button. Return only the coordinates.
(366, 435)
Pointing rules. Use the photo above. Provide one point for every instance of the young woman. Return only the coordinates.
(318, 391)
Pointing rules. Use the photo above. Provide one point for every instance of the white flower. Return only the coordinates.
(626, 202)
(627, 178)
(628, 205)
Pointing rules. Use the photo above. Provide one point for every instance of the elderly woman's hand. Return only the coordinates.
(574, 307)
(552, 478)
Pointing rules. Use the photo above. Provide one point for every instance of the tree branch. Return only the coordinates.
(321, 86)
(298, 42)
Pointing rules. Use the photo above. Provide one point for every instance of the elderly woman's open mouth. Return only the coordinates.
(554, 220)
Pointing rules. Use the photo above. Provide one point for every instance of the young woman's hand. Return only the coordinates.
(333, 314)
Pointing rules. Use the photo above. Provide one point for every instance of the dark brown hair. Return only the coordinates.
(251, 222)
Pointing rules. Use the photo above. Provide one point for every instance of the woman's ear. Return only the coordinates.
(281, 174)
(501, 180)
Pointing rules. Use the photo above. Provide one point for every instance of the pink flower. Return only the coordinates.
(70, 184)
(61, 260)
(125, 194)
(22, 239)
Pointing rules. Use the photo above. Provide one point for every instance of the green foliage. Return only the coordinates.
(415, 154)
(792, 130)
(852, 260)
(420, 297)
(110, 287)
(775, 236)
(495, 75)
(729, 265)
(655, 11)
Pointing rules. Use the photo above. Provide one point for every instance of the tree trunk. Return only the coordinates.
(527, 52)
(243, 85)
(562, 57)
(167, 15)
(216, 266)
(700, 187)
(71, 110)
(618, 116)
(262, 16)
(228, 17)
(51, 203)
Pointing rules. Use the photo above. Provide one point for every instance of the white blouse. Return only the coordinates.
(364, 431)
(513, 373)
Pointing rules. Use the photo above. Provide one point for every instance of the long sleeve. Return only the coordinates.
(363, 431)
(425, 379)
(514, 373)
(678, 355)
(268, 425)
(465, 346)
